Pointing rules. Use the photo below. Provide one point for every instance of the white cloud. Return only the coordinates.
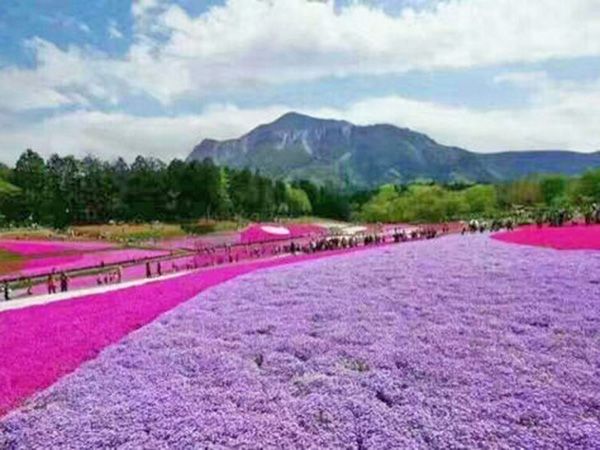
(113, 30)
(258, 41)
(248, 42)
(142, 7)
(569, 125)
(112, 135)
(561, 118)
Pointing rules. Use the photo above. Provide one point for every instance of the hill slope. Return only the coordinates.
(298, 146)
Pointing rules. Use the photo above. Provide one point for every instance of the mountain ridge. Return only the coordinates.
(296, 146)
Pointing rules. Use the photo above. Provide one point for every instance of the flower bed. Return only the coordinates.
(199, 242)
(264, 232)
(459, 342)
(37, 266)
(40, 247)
(43, 343)
(578, 237)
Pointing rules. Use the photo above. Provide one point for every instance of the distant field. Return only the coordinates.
(26, 233)
(9, 262)
(141, 232)
(312, 219)
(128, 231)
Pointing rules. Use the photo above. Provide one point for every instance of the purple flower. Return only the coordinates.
(461, 342)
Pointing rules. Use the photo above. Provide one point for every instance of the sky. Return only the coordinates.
(116, 78)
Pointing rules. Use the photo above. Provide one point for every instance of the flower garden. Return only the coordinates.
(458, 342)
(559, 238)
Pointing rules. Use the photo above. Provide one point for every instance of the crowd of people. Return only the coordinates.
(558, 217)
(481, 226)
(54, 282)
(110, 276)
(363, 239)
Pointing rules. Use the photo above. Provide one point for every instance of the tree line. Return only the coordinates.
(539, 195)
(62, 191)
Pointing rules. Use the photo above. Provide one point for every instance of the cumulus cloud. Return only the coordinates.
(248, 42)
(257, 41)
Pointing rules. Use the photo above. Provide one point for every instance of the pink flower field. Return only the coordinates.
(42, 247)
(45, 263)
(579, 237)
(264, 232)
(40, 256)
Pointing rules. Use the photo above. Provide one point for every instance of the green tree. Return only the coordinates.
(588, 186)
(552, 187)
(298, 201)
(525, 192)
(481, 199)
(383, 206)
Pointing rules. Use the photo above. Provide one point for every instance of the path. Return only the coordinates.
(35, 300)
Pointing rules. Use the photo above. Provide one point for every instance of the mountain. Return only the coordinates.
(518, 164)
(296, 146)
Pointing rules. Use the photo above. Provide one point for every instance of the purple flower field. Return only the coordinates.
(460, 342)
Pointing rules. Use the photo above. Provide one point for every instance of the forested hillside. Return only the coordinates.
(66, 190)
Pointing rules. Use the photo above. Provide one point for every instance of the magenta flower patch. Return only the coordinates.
(578, 237)
(41, 247)
(73, 261)
(265, 232)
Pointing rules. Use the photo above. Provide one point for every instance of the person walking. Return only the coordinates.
(6, 290)
(159, 269)
(148, 270)
(29, 286)
(51, 284)
(64, 282)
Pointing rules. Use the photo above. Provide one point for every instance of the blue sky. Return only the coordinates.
(113, 77)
